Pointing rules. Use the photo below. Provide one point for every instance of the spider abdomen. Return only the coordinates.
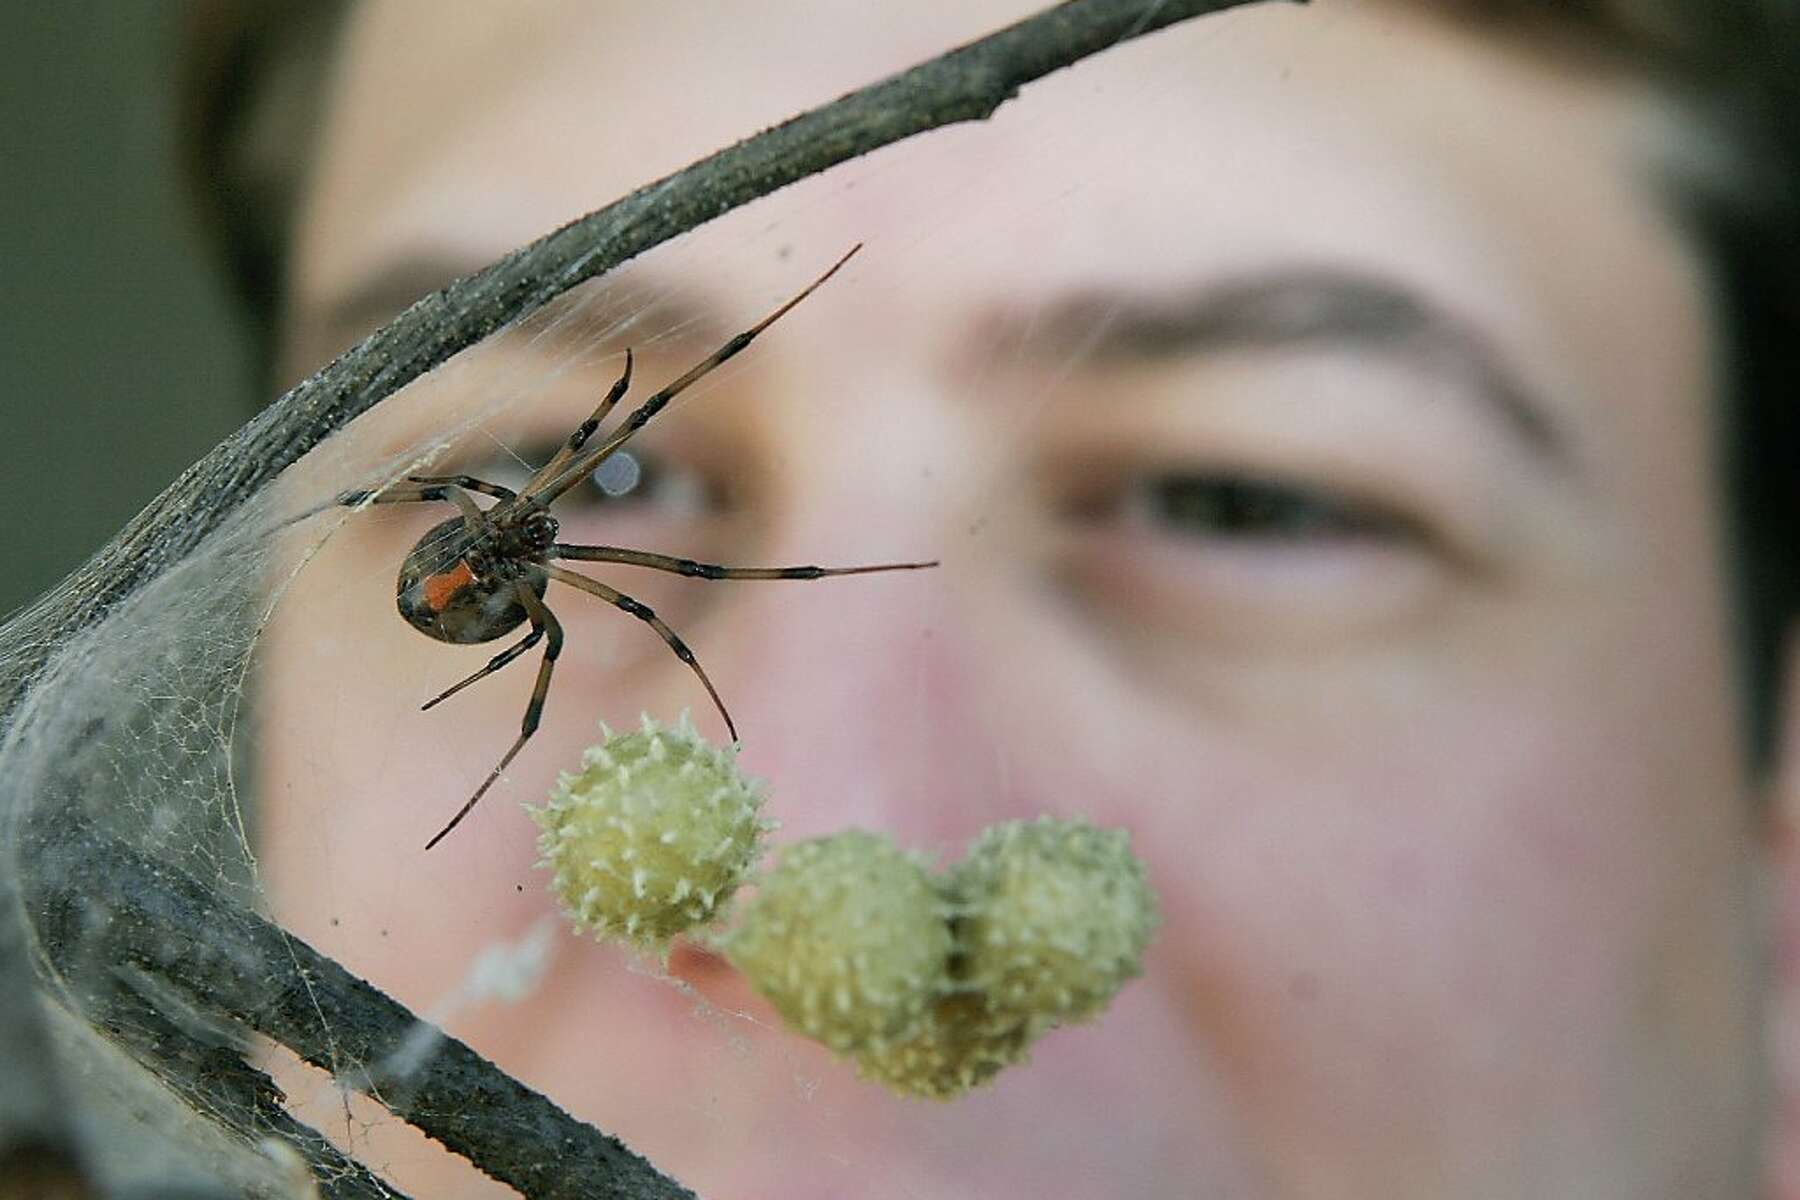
(452, 590)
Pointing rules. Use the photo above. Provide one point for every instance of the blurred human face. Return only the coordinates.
(1311, 410)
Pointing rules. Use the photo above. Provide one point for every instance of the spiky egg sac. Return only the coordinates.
(1055, 918)
(957, 1047)
(652, 836)
(848, 939)
(1051, 919)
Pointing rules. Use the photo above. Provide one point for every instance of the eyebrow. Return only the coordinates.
(1294, 308)
(1291, 308)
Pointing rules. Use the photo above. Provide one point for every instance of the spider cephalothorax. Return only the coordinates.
(478, 576)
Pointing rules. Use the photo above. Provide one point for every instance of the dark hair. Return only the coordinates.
(250, 100)
(1733, 64)
(1758, 318)
(255, 77)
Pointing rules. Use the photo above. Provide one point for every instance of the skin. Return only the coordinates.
(1443, 792)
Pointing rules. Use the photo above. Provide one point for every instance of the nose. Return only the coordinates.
(854, 694)
(854, 699)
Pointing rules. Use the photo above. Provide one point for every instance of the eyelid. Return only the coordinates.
(1365, 430)
(1080, 483)
(1253, 589)
(1239, 600)
(1245, 507)
(1296, 520)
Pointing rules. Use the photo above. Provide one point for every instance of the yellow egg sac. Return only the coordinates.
(652, 836)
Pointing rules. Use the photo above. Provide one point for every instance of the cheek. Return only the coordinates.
(1495, 884)
(353, 777)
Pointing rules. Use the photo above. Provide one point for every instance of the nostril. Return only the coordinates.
(696, 965)
(720, 984)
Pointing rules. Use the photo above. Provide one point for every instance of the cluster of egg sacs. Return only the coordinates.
(931, 982)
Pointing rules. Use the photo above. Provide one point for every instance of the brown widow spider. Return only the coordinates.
(481, 574)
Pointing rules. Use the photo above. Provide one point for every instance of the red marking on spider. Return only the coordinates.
(439, 589)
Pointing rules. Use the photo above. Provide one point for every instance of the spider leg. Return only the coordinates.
(467, 482)
(700, 570)
(494, 664)
(543, 622)
(583, 431)
(413, 490)
(425, 489)
(643, 612)
(581, 467)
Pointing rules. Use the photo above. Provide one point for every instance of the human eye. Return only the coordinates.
(638, 479)
(1276, 500)
(636, 483)
(1247, 553)
(1194, 505)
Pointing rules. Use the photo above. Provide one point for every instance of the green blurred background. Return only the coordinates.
(121, 357)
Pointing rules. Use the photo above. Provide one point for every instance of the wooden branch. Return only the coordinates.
(104, 909)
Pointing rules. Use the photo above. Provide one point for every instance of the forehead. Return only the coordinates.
(1359, 135)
